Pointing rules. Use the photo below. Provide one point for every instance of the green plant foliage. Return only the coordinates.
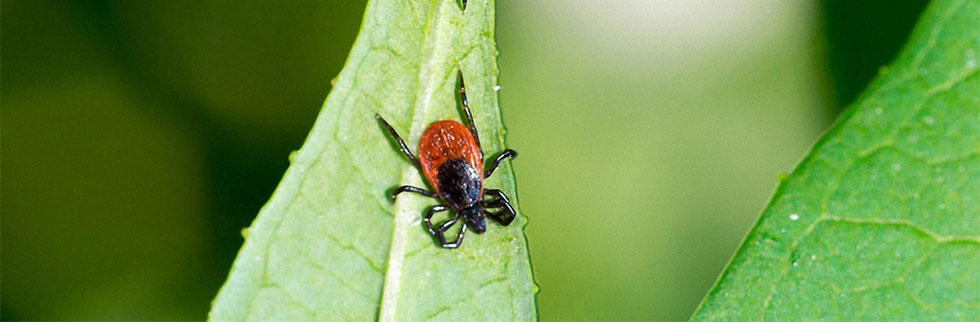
(882, 220)
(330, 245)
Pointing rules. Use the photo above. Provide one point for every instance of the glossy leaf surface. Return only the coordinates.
(881, 221)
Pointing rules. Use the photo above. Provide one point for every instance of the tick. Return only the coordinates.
(450, 157)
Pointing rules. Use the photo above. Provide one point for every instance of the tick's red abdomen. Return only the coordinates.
(445, 140)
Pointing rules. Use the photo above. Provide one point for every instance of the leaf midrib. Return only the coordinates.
(429, 81)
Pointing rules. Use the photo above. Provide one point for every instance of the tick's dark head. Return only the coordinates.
(475, 219)
(460, 185)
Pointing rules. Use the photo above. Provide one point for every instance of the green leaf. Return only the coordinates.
(329, 245)
(881, 221)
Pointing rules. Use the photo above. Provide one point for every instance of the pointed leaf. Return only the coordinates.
(330, 245)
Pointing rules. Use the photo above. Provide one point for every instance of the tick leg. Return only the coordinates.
(504, 221)
(466, 109)
(496, 162)
(427, 220)
(440, 233)
(449, 223)
(459, 238)
(501, 202)
(445, 226)
(427, 193)
(401, 143)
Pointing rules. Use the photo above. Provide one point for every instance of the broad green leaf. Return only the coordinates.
(881, 221)
(329, 245)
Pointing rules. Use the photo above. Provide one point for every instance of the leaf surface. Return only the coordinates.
(329, 245)
(881, 221)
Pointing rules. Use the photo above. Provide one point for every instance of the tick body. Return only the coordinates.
(452, 163)
(450, 158)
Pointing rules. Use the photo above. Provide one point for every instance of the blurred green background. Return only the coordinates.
(140, 137)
